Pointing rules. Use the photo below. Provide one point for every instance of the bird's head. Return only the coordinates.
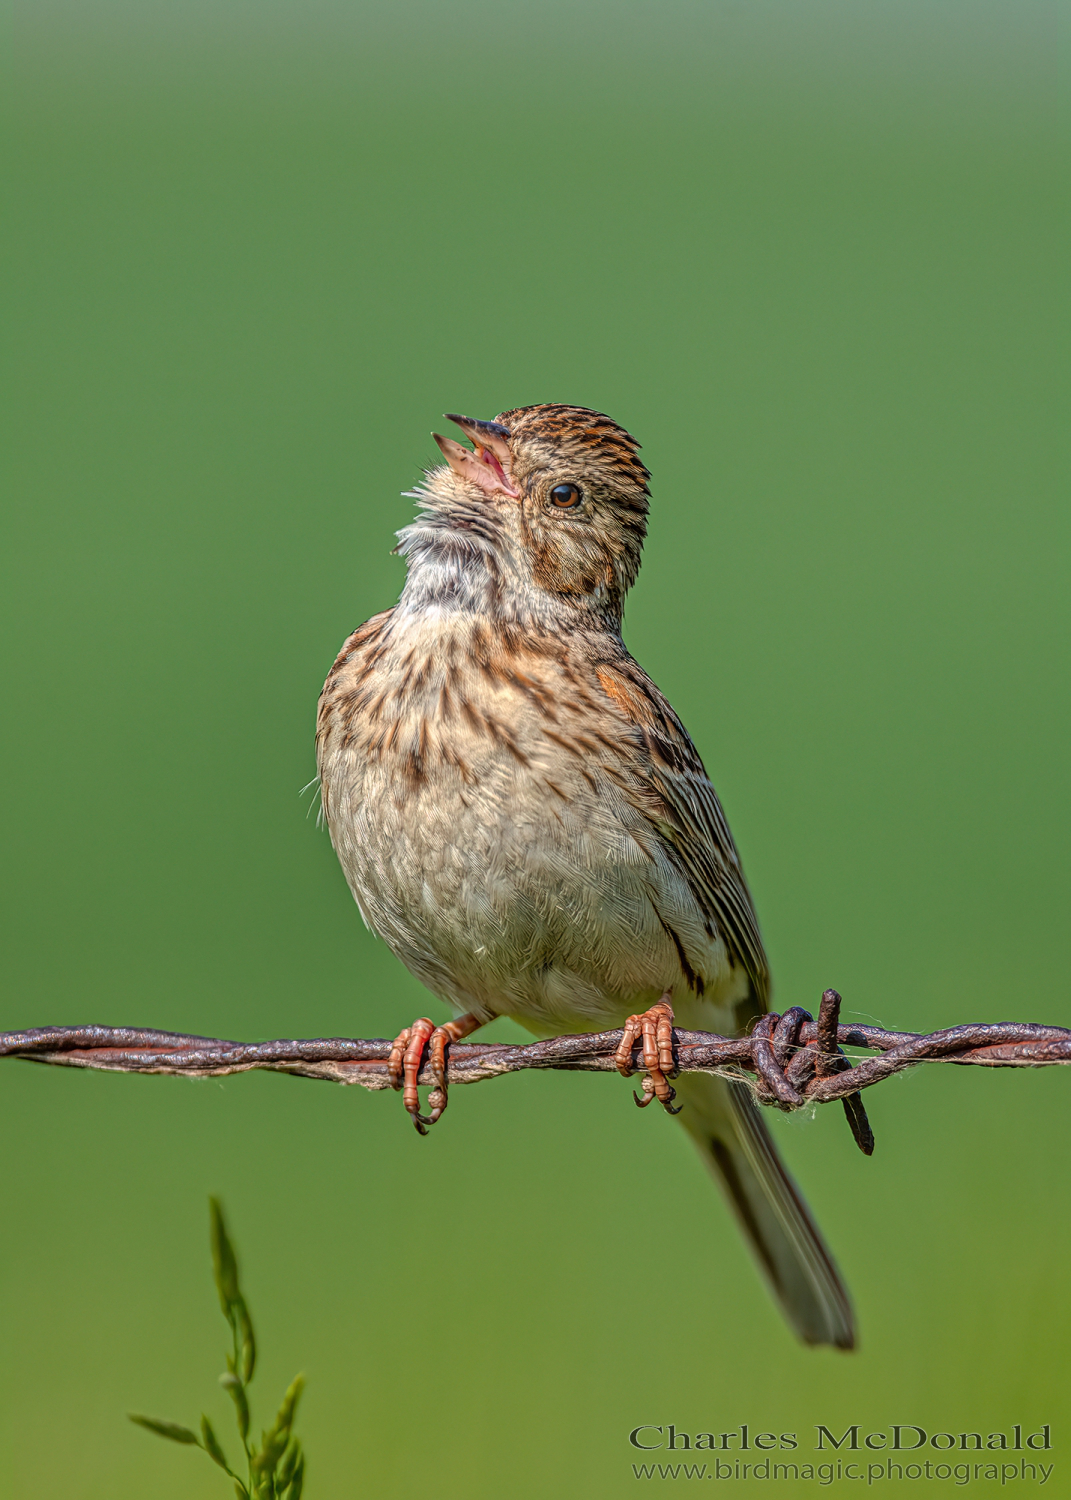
(546, 512)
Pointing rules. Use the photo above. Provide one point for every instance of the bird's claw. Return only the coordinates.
(403, 1067)
(655, 1028)
(407, 1057)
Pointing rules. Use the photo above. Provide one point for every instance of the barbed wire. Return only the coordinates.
(790, 1061)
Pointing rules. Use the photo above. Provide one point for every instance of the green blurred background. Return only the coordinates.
(807, 253)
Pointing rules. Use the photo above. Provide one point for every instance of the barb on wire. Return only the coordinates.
(790, 1060)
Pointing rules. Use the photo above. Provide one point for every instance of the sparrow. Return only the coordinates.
(522, 817)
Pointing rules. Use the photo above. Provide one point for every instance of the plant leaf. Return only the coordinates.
(210, 1443)
(289, 1463)
(224, 1261)
(248, 1343)
(284, 1418)
(171, 1430)
(236, 1391)
(297, 1483)
(276, 1439)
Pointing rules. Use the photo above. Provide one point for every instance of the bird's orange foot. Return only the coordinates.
(655, 1026)
(407, 1057)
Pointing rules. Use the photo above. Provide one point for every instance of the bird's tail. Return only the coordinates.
(733, 1140)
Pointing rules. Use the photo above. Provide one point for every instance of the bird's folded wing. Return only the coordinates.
(669, 785)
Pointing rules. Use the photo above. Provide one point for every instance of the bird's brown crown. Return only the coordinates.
(550, 435)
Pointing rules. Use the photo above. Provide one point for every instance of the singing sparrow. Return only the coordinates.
(522, 817)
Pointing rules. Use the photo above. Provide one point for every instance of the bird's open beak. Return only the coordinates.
(489, 465)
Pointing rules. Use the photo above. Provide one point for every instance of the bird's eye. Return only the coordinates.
(564, 496)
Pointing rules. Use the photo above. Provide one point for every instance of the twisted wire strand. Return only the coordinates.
(790, 1060)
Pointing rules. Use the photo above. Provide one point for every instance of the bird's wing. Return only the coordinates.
(669, 785)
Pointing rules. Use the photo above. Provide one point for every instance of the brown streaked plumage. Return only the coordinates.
(521, 815)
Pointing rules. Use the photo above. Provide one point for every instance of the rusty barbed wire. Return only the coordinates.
(790, 1060)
